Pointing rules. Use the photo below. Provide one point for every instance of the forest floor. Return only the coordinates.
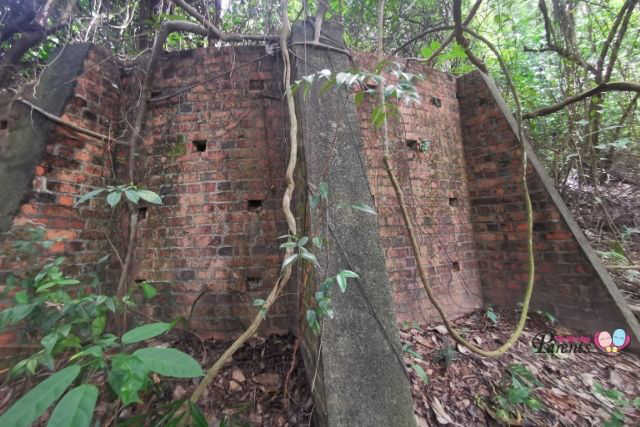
(558, 389)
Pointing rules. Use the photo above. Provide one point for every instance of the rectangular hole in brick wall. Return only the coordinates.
(436, 101)
(412, 143)
(3, 124)
(142, 213)
(200, 145)
(156, 93)
(254, 205)
(140, 280)
(453, 201)
(254, 283)
(455, 266)
(256, 85)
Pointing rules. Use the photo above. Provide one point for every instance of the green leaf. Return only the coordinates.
(127, 376)
(132, 195)
(308, 256)
(342, 282)
(364, 208)
(75, 409)
(33, 404)
(420, 373)
(49, 341)
(94, 350)
(289, 260)
(169, 362)
(145, 332)
(97, 325)
(150, 197)
(114, 198)
(22, 297)
(317, 242)
(350, 274)
(148, 291)
(88, 196)
(258, 302)
(197, 417)
(13, 315)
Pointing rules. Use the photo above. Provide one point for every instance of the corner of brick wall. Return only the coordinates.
(435, 190)
(216, 153)
(570, 281)
(71, 165)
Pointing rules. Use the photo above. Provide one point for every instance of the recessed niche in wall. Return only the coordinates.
(482, 101)
(254, 283)
(412, 143)
(453, 201)
(455, 266)
(140, 280)
(142, 212)
(3, 124)
(156, 93)
(200, 145)
(254, 205)
(436, 101)
(256, 84)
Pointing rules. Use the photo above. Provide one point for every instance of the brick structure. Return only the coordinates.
(570, 280)
(67, 166)
(428, 160)
(215, 148)
(216, 153)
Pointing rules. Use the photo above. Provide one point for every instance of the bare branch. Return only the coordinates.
(603, 87)
(451, 36)
(552, 46)
(618, 42)
(462, 41)
(232, 37)
(612, 33)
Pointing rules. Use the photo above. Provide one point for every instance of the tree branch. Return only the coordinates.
(618, 42)
(612, 33)
(212, 29)
(451, 36)
(462, 41)
(552, 46)
(604, 87)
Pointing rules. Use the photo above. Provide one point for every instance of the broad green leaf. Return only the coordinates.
(303, 241)
(150, 197)
(421, 373)
(289, 260)
(88, 196)
(364, 208)
(33, 404)
(75, 409)
(197, 418)
(13, 315)
(169, 362)
(22, 297)
(132, 195)
(350, 274)
(148, 291)
(145, 332)
(308, 256)
(97, 325)
(49, 341)
(317, 242)
(114, 198)
(127, 376)
(258, 302)
(94, 350)
(342, 282)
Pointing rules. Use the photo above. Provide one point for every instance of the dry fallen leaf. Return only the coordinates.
(441, 414)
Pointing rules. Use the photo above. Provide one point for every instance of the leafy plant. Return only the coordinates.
(115, 193)
(617, 398)
(514, 394)
(491, 315)
(70, 322)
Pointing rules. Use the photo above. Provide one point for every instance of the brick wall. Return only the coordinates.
(435, 189)
(71, 165)
(217, 154)
(570, 281)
